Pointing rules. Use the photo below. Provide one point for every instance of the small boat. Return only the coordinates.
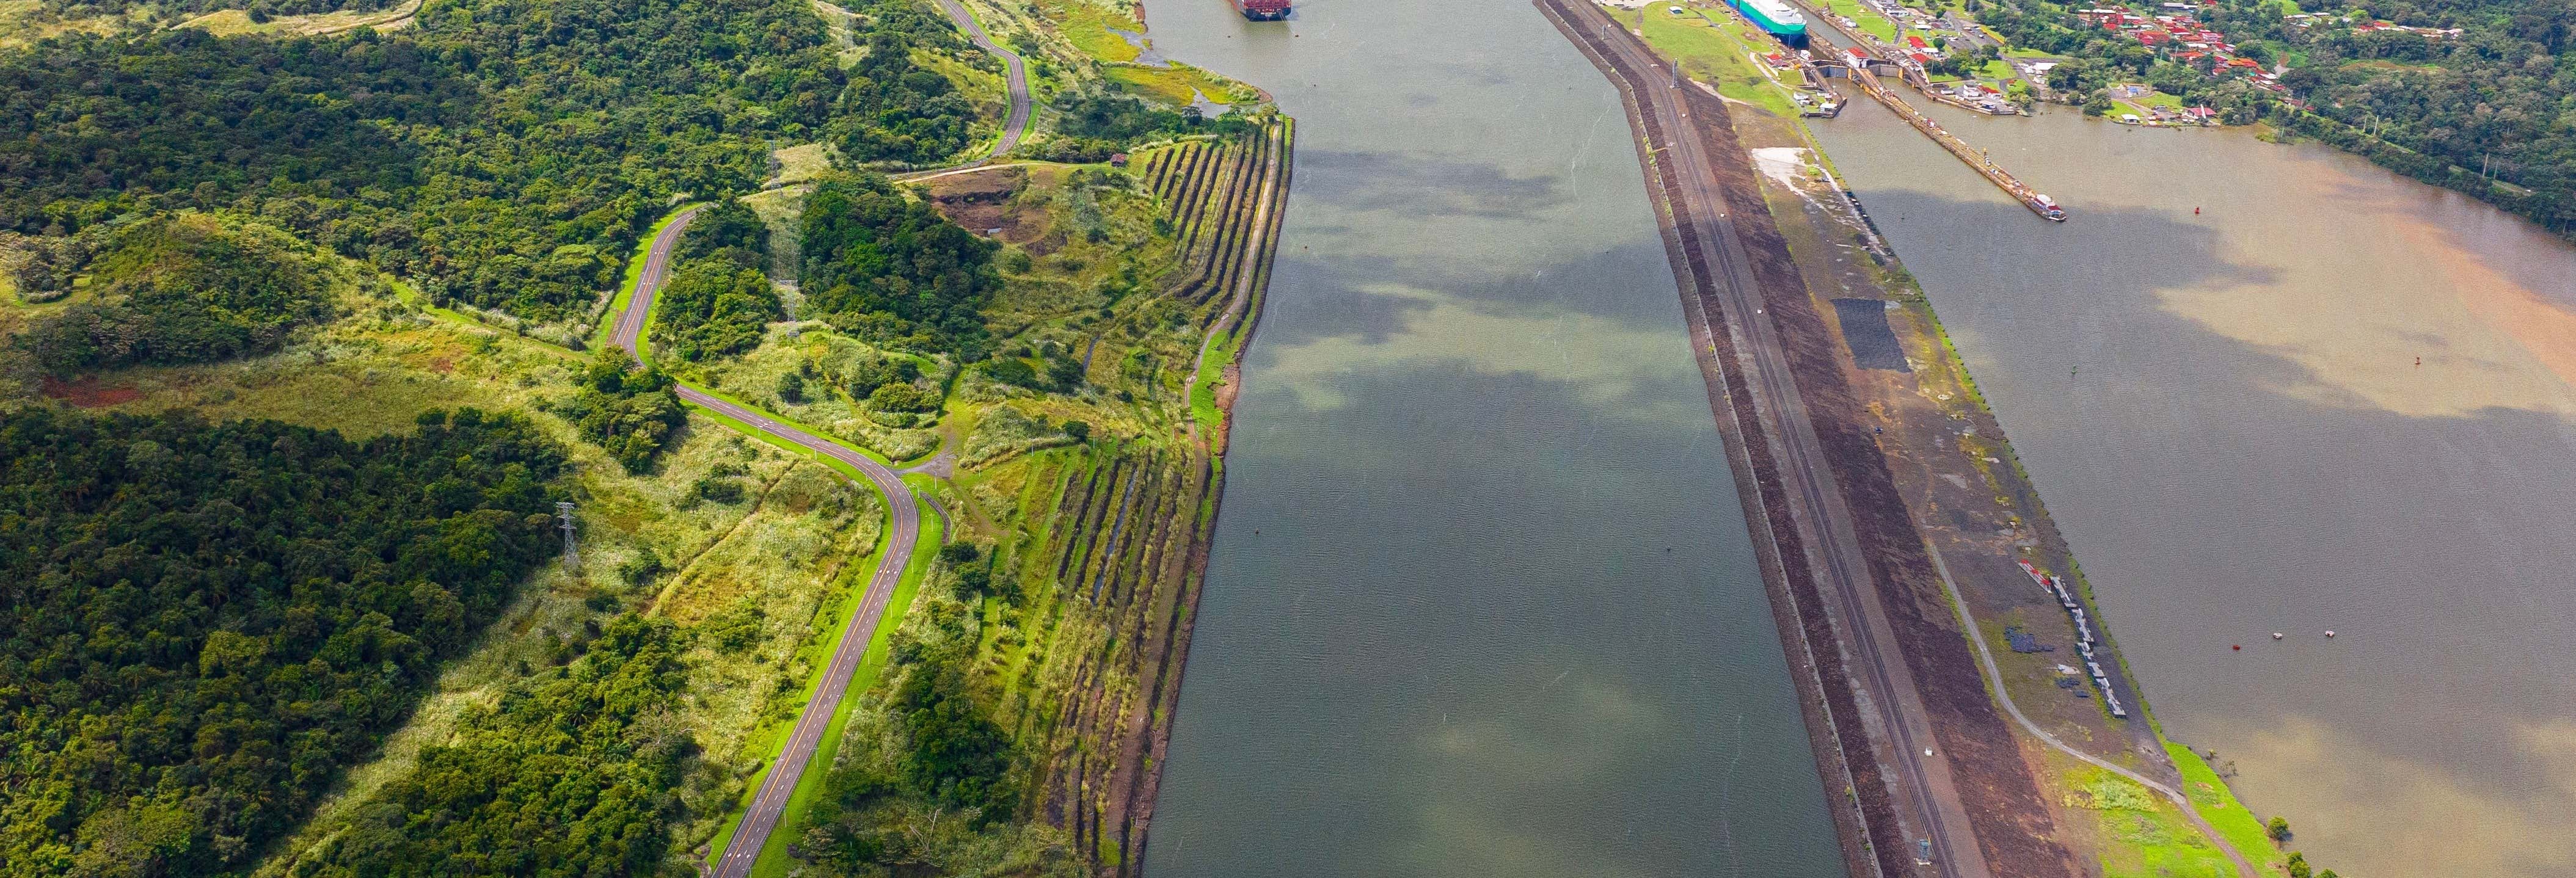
(1262, 10)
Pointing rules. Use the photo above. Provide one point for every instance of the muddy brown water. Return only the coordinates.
(1481, 602)
(2224, 413)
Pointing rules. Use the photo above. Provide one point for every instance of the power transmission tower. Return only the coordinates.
(564, 511)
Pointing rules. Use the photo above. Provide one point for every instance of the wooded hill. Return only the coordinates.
(221, 620)
(205, 623)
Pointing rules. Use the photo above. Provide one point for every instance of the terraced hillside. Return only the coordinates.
(1030, 686)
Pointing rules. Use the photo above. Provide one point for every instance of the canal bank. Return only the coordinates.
(2225, 411)
(1481, 602)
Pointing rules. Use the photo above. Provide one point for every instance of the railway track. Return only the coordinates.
(1714, 257)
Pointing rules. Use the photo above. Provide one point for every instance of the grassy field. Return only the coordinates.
(1871, 22)
(229, 22)
(1178, 85)
(23, 22)
(2218, 805)
(1088, 26)
(1716, 48)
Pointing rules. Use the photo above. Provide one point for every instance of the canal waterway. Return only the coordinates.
(1481, 602)
(2225, 412)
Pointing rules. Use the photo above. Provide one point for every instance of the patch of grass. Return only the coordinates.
(234, 22)
(988, 91)
(800, 163)
(752, 379)
(1178, 85)
(2218, 805)
(1203, 409)
(2137, 832)
(1718, 48)
(1087, 25)
(23, 22)
(1871, 22)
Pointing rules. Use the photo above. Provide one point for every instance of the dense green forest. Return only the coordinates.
(889, 267)
(718, 301)
(204, 624)
(631, 411)
(502, 153)
(893, 109)
(569, 775)
(180, 289)
(190, 8)
(2490, 112)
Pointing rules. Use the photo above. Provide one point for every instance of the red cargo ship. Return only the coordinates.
(1262, 10)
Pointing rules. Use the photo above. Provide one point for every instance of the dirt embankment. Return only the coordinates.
(2012, 822)
(1865, 817)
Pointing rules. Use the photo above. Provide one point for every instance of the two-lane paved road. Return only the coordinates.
(761, 818)
(1015, 70)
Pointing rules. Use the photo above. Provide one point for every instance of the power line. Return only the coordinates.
(564, 511)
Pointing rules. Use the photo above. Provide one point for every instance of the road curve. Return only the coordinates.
(1015, 70)
(1831, 540)
(761, 817)
(1995, 679)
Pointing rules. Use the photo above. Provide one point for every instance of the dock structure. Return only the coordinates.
(1863, 69)
(2042, 205)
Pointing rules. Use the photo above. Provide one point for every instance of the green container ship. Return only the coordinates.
(1777, 18)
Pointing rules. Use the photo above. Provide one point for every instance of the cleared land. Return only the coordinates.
(1923, 463)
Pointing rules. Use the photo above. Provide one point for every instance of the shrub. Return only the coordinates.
(903, 398)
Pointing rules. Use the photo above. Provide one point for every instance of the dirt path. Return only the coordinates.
(2003, 696)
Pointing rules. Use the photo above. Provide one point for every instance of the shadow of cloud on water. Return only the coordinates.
(1458, 622)
(1607, 327)
(2234, 449)
(1423, 185)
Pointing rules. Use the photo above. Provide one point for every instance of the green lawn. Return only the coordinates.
(1871, 23)
(1088, 26)
(1172, 85)
(2217, 804)
(1718, 48)
(2142, 833)
(1998, 70)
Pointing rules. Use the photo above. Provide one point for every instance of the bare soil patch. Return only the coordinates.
(1000, 203)
(89, 392)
